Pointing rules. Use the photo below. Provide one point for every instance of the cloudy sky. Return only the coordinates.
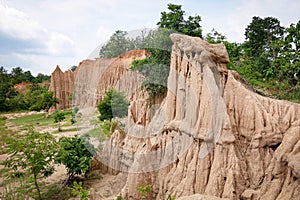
(40, 34)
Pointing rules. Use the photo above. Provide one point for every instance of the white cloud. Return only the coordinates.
(60, 45)
(64, 31)
(18, 25)
(44, 63)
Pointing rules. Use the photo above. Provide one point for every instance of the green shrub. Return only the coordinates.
(156, 76)
(114, 104)
(144, 190)
(58, 117)
(76, 154)
(108, 127)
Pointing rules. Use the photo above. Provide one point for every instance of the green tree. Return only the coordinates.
(118, 44)
(32, 153)
(42, 99)
(76, 154)
(18, 75)
(214, 37)
(156, 76)
(113, 105)
(36, 97)
(174, 20)
(156, 68)
(59, 117)
(234, 49)
(5, 87)
(260, 33)
(41, 78)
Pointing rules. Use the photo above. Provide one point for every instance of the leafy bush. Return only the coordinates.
(144, 190)
(156, 76)
(58, 117)
(108, 127)
(75, 111)
(114, 104)
(76, 154)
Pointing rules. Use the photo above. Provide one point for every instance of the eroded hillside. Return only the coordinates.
(211, 135)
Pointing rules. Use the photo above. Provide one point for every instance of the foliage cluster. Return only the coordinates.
(269, 57)
(114, 104)
(36, 97)
(58, 117)
(33, 155)
(108, 127)
(144, 190)
(76, 154)
(158, 43)
(174, 20)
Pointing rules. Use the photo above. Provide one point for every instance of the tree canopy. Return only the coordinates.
(34, 97)
(174, 20)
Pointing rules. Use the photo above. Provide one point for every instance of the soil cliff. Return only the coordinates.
(211, 136)
(92, 78)
(62, 83)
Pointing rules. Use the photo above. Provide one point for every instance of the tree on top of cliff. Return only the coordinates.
(174, 20)
(156, 67)
(117, 45)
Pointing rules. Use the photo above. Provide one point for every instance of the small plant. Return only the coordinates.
(75, 111)
(76, 154)
(144, 190)
(79, 191)
(58, 117)
(108, 127)
(33, 153)
(119, 198)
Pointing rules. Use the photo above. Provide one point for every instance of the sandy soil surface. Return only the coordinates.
(108, 187)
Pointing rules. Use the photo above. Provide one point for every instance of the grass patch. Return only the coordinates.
(33, 120)
(56, 191)
(22, 188)
(4, 134)
(41, 120)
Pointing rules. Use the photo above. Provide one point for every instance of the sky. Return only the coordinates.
(40, 34)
